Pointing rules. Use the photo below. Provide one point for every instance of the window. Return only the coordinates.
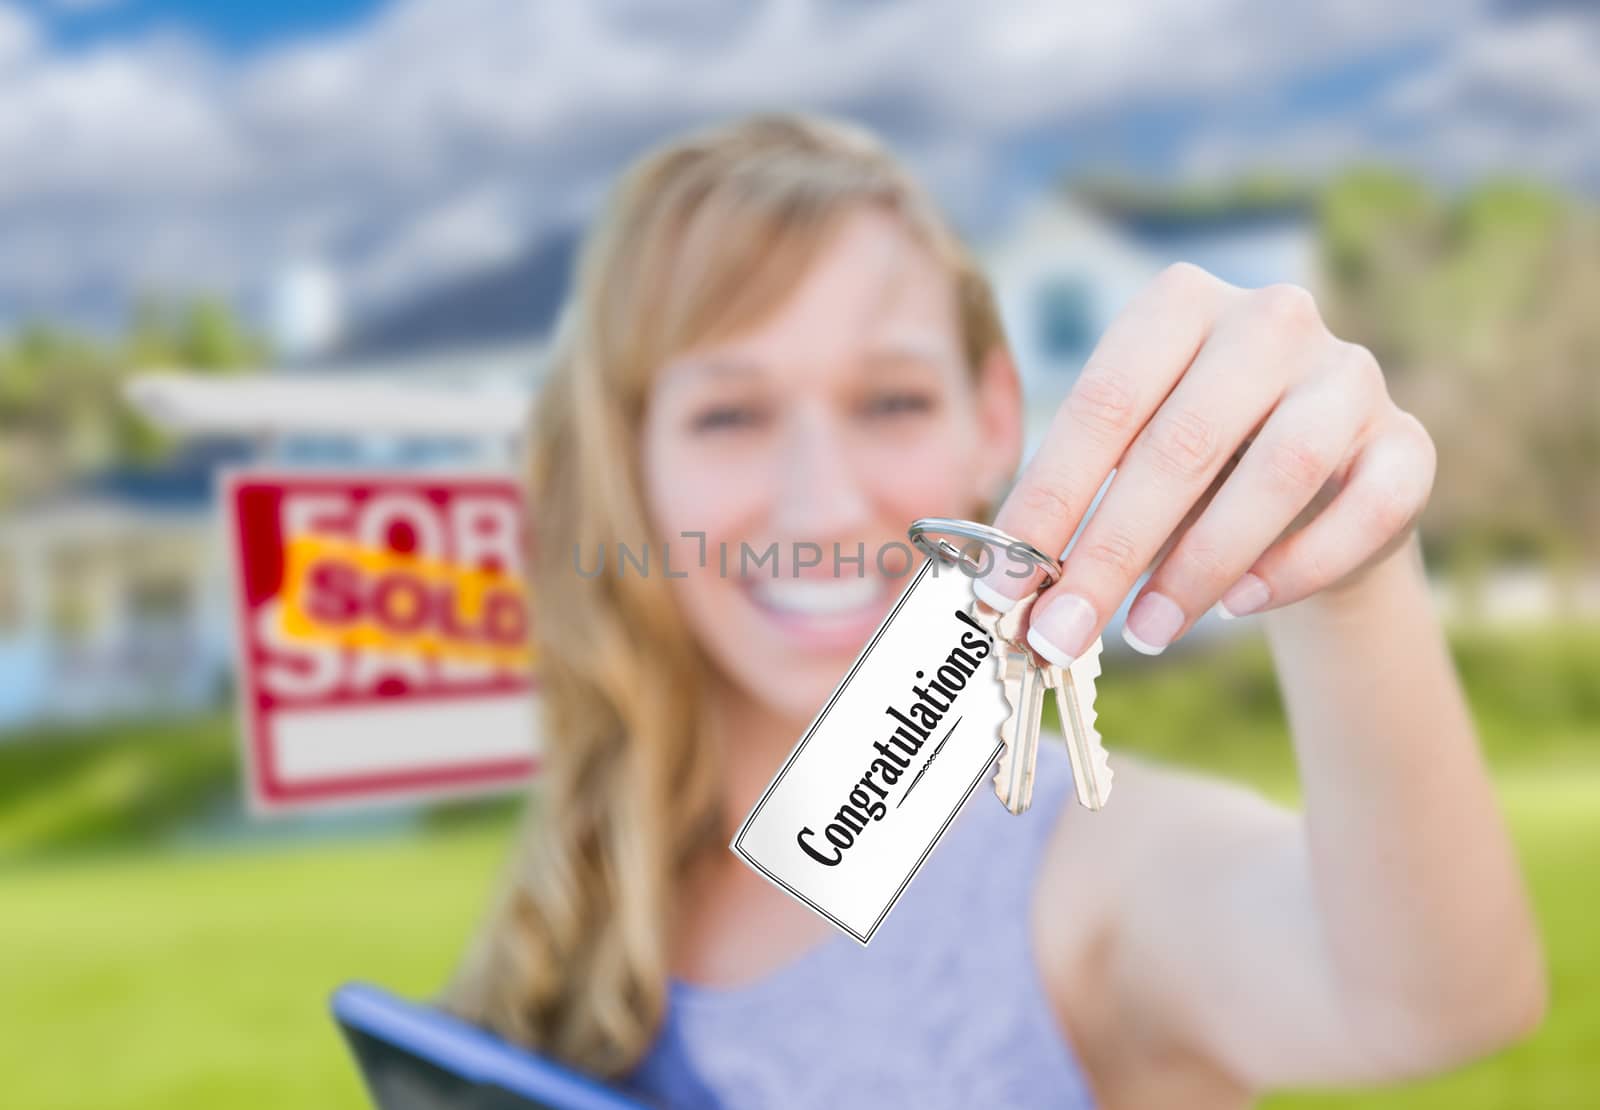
(1065, 322)
(71, 606)
(155, 599)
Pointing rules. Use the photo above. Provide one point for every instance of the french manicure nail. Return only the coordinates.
(1000, 590)
(1243, 597)
(1060, 629)
(1152, 623)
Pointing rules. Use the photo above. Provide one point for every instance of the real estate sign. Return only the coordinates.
(382, 635)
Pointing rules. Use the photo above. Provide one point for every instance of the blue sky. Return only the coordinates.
(178, 145)
(236, 26)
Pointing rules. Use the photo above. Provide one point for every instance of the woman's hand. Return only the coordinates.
(1330, 478)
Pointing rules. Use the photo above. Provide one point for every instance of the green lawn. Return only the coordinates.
(199, 979)
(70, 789)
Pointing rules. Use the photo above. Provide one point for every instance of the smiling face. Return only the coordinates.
(836, 420)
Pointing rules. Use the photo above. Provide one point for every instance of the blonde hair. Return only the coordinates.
(701, 237)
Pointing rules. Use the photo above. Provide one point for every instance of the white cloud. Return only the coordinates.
(473, 230)
(445, 132)
(1500, 97)
(1522, 98)
(17, 36)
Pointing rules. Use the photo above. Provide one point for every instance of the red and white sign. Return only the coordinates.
(383, 635)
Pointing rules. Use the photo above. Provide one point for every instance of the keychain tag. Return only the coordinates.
(864, 797)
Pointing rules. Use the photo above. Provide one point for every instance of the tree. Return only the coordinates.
(1482, 309)
(62, 412)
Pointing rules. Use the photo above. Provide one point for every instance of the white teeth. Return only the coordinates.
(817, 596)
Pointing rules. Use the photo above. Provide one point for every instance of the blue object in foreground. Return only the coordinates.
(415, 1057)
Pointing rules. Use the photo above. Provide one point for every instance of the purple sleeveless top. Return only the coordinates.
(944, 1009)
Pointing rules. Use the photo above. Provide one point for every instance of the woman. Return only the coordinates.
(775, 339)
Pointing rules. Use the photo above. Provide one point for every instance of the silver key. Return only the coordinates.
(1025, 678)
(1074, 690)
(1024, 684)
(1024, 689)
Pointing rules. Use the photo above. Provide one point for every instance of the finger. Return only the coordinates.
(1318, 425)
(1237, 379)
(1133, 368)
(1382, 497)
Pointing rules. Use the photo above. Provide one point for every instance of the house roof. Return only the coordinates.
(119, 498)
(186, 480)
(511, 305)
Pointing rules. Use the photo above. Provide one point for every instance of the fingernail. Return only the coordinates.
(1152, 623)
(1243, 597)
(1000, 590)
(1060, 629)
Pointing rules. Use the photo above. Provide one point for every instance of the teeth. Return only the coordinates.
(817, 597)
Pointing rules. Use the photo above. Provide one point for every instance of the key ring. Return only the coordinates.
(928, 535)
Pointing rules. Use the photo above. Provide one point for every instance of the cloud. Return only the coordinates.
(443, 133)
(1504, 95)
(17, 36)
(1515, 97)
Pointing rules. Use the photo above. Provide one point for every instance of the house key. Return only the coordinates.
(1025, 678)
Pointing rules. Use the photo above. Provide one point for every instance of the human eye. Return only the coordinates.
(898, 403)
(724, 416)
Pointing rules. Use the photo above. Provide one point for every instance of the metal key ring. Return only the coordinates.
(928, 535)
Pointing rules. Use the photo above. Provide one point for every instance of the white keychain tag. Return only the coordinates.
(860, 803)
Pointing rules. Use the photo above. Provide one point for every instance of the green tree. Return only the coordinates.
(1482, 308)
(62, 412)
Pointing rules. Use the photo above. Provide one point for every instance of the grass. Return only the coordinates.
(85, 787)
(199, 979)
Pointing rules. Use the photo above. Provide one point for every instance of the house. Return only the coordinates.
(112, 602)
(1067, 265)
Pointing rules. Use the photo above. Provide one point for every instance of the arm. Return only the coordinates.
(1382, 935)
(1429, 933)
(1262, 462)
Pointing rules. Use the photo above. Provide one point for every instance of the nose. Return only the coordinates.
(821, 493)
